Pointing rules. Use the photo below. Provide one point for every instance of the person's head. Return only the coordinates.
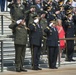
(38, 1)
(36, 18)
(43, 14)
(69, 16)
(18, 1)
(61, 2)
(32, 8)
(69, 11)
(61, 8)
(57, 10)
(52, 23)
(69, 2)
(49, 2)
(49, 8)
(59, 22)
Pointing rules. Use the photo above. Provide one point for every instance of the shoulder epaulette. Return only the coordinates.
(33, 24)
(47, 27)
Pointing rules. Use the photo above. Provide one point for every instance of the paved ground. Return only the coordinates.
(66, 68)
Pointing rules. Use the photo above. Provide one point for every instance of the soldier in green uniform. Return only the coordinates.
(43, 23)
(17, 12)
(20, 39)
(32, 13)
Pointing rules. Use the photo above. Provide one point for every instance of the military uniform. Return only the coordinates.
(20, 39)
(70, 30)
(17, 11)
(35, 41)
(39, 8)
(52, 43)
(43, 23)
(74, 20)
(31, 17)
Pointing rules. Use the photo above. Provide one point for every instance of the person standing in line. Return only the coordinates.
(20, 40)
(35, 41)
(61, 34)
(52, 44)
(17, 12)
(43, 23)
(70, 31)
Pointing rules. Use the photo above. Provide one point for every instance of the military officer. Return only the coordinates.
(50, 12)
(52, 43)
(43, 23)
(74, 20)
(70, 31)
(35, 41)
(39, 6)
(32, 12)
(17, 10)
(20, 39)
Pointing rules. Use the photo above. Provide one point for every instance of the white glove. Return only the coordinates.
(50, 24)
(18, 21)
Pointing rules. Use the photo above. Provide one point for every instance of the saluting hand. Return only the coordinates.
(23, 22)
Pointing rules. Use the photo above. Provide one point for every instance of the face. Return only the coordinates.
(43, 15)
(36, 20)
(33, 9)
(18, 1)
(53, 24)
(59, 22)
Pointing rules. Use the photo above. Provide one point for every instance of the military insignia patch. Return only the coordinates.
(34, 25)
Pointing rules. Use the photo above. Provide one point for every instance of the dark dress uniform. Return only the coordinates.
(39, 8)
(20, 39)
(52, 43)
(74, 20)
(35, 41)
(70, 30)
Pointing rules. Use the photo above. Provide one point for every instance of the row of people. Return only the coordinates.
(36, 36)
(41, 24)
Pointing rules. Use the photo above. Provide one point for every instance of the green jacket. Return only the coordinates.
(43, 23)
(17, 11)
(20, 34)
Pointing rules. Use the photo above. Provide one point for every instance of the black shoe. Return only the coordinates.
(55, 67)
(72, 60)
(68, 60)
(34, 68)
(18, 70)
(23, 70)
(39, 69)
